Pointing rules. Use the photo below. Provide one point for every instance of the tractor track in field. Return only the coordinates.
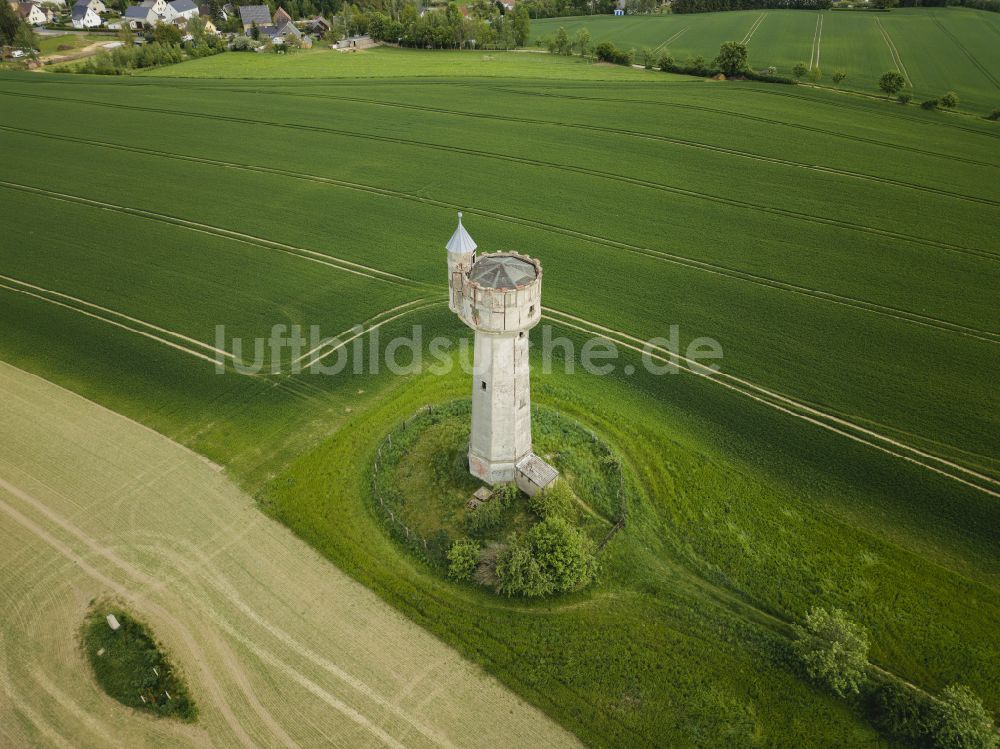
(109, 321)
(776, 400)
(670, 39)
(149, 330)
(794, 125)
(138, 576)
(817, 41)
(893, 52)
(641, 136)
(314, 256)
(672, 258)
(965, 50)
(753, 28)
(692, 194)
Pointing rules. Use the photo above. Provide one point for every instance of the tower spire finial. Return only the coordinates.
(460, 242)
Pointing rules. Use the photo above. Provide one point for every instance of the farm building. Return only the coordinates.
(84, 17)
(258, 15)
(356, 42)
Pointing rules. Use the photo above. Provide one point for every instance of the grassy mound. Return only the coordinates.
(421, 487)
(130, 666)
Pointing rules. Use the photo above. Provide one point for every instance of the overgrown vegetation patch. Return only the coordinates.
(131, 667)
(517, 545)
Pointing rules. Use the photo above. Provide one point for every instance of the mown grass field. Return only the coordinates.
(278, 647)
(938, 49)
(842, 251)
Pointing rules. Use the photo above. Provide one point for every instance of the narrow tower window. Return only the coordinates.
(482, 385)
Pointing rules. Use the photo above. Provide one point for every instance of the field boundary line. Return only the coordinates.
(874, 307)
(893, 52)
(784, 403)
(753, 28)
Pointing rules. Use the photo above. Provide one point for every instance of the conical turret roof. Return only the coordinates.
(461, 243)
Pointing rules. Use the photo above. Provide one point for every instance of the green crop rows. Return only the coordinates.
(842, 251)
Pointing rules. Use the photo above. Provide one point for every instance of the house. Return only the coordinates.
(318, 26)
(85, 18)
(138, 16)
(175, 9)
(281, 17)
(278, 34)
(95, 5)
(619, 12)
(209, 26)
(33, 14)
(255, 14)
(508, 4)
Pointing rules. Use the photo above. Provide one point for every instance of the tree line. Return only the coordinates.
(712, 6)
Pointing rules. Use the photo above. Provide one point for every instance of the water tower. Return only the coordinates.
(499, 296)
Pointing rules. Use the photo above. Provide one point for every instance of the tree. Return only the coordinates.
(26, 39)
(904, 99)
(10, 21)
(166, 33)
(891, 83)
(561, 42)
(800, 70)
(518, 572)
(838, 77)
(959, 721)
(463, 557)
(521, 25)
(929, 104)
(581, 42)
(949, 100)
(732, 59)
(648, 60)
(833, 649)
(564, 553)
(815, 74)
(666, 62)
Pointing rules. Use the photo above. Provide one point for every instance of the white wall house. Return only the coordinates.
(85, 18)
(33, 14)
(185, 9)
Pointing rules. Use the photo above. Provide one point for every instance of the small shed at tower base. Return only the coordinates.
(533, 474)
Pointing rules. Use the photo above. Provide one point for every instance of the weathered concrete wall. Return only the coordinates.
(501, 405)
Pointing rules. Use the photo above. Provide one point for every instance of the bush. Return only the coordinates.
(904, 98)
(608, 52)
(556, 500)
(648, 60)
(929, 104)
(959, 721)
(901, 711)
(552, 557)
(463, 558)
(949, 100)
(244, 44)
(484, 518)
(666, 63)
(994, 115)
(800, 70)
(839, 76)
(833, 649)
